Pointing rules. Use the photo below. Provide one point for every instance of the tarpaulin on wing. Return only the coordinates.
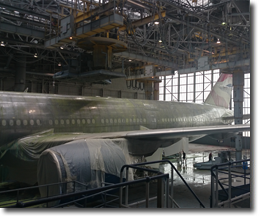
(90, 162)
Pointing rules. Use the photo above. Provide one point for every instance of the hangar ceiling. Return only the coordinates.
(48, 36)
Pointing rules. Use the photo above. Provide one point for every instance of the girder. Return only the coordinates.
(185, 31)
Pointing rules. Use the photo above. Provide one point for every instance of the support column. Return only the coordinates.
(149, 88)
(238, 82)
(1, 84)
(164, 88)
(156, 91)
(20, 73)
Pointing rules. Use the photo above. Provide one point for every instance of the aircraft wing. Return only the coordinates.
(186, 131)
(245, 117)
(25, 152)
(43, 140)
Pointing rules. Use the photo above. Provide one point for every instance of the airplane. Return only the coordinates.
(47, 138)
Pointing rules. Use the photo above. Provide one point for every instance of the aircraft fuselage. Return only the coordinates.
(23, 114)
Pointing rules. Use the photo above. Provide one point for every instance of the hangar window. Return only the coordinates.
(31, 122)
(115, 120)
(130, 120)
(137, 120)
(107, 120)
(56, 122)
(126, 120)
(111, 121)
(84, 121)
(62, 122)
(119, 120)
(123, 120)
(189, 87)
(67, 121)
(93, 121)
(50, 122)
(144, 120)
(18, 122)
(102, 121)
(88, 121)
(78, 121)
(73, 121)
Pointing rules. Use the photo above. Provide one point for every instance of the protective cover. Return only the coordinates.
(91, 162)
(21, 156)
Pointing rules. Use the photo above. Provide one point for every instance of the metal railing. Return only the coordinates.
(160, 194)
(227, 173)
(79, 196)
(20, 190)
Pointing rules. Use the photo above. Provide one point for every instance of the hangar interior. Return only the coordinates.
(164, 50)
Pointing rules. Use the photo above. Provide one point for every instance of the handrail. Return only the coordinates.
(39, 186)
(127, 166)
(160, 161)
(220, 168)
(228, 163)
(21, 204)
(77, 194)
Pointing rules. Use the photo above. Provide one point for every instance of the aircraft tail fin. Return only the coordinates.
(221, 93)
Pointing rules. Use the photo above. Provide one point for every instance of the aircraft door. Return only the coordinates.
(152, 121)
(151, 113)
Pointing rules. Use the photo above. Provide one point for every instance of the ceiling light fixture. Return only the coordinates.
(35, 55)
(160, 40)
(130, 60)
(2, 43)
(70, 37)
(61, 47)
(156, 22)
(218, 41)
(59, 64)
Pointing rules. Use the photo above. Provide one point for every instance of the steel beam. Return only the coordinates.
(238, 82)
(144, 21)
(146, 59)
(9, 28)
(12, 8)
(228, 65)
(95, 12)
(204, 30)
(89, 29)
